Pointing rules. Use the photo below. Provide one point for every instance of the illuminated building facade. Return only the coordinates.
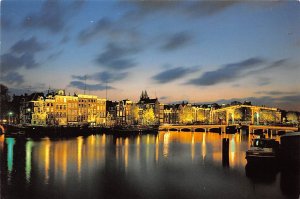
(26, 106)
(125, 113)
(111, 114)
(150, 103)
(236, 113)
(170, 114)
(38, 113)
(57, 108)
(61, 109)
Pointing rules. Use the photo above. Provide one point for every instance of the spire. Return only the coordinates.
(142, 95)
(146, 95)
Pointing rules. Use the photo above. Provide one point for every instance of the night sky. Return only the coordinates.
(176, 50)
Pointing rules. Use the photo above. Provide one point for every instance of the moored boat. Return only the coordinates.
(290, 148)
(263, 150)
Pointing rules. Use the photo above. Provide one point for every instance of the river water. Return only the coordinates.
(166, 165)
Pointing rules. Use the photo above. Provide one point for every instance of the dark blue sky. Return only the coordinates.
(177, 50)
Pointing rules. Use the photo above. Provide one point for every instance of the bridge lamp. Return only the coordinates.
(28, 110)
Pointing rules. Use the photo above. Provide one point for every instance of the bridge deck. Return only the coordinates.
(287, 128)
(223, 127)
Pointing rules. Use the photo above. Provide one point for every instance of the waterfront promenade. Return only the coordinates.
(130, 130)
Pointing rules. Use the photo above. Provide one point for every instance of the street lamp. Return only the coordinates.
(28, 115)
(9, 116)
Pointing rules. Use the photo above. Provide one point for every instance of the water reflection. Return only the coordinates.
(170, 164)
(138, 142)
(290, 181)
(79, 155)
(29, 145)
(193, 147)
(166, 144)
(126, 154)
(10, 153)
(2, 142)
(156, 148)
(203, 146)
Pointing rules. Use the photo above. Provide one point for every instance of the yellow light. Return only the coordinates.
(29, 145)
(79, 154)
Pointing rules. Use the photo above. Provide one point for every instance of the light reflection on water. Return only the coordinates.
(29, 145)
(170, 164)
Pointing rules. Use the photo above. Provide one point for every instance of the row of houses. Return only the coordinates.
(58, 108)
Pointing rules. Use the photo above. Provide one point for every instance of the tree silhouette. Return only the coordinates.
(4, 101)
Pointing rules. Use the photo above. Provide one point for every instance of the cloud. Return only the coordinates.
(55, 55)
(79, 77)
(6, 23)
(276, 93)
(20, 90)
(290, 99)
(13, 78)
(288, 102)
(103, 25)
(265, 100)
(110, 30)
(28, 46)
(273, 65)
(106, 76)
(103, 77)
(193, 9)
(10, 62)
(142, 9)
(227, 72)
(206, 8)
(172, 74)
(92, 87)
(177, 41)
(65, 39)
(22, 54)
(78, 4)
(115, 57)
(163, 97)
(277, 63)
(150, 5)
(263, 81)
(52, 15)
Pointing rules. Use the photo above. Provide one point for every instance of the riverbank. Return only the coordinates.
(73, 131)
